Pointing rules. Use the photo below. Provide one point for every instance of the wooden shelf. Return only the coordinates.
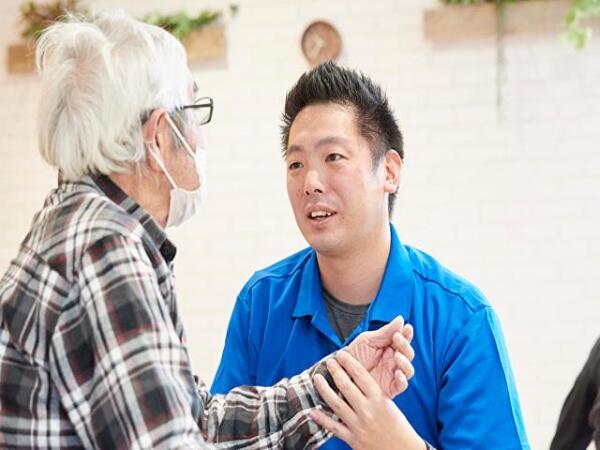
(204, 44)
(20, 57)
(451, 23)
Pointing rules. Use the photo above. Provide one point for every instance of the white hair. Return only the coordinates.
(98, 79)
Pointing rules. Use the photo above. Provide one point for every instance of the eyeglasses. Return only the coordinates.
(202, 109)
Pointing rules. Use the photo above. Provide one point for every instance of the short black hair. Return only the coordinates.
(331, 83)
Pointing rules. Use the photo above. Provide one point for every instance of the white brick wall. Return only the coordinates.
(512, 205)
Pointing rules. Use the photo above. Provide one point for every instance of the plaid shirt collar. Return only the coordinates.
(104, 184)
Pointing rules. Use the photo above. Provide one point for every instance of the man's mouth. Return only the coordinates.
(320, 215)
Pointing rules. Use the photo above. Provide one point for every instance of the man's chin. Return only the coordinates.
(324, 245)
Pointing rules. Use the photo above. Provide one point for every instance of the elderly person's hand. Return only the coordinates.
(386, 354)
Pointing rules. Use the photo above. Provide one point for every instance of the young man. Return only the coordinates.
(92, 348)
(344, 154)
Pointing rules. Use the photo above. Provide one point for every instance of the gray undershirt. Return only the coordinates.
(343, 317)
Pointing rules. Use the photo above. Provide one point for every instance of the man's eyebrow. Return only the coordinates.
(195, 88)
(292, 149)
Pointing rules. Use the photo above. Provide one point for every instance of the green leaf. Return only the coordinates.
(181, 24)
(577, 35)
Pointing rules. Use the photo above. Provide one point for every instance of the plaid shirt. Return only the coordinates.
(92, 350)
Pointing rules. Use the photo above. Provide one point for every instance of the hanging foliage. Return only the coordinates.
(38, 16)
(577, 34)
(181, 24)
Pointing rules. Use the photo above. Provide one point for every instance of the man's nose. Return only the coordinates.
(313, 183)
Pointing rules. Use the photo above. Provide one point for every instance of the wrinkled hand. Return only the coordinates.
(370, 420)
(386, 354)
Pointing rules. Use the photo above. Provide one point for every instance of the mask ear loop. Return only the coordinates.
(179, 135)
(162, 166)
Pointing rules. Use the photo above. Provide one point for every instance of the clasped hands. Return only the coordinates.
(368, 373)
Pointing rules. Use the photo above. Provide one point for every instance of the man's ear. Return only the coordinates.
(154, 139)
(393, 169)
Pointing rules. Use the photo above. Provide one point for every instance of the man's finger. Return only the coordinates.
(346, 386)
(361, 377)
(331, 425)
(337, 404)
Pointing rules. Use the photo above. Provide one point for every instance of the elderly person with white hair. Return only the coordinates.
(92, 353)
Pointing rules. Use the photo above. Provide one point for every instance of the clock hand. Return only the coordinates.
(317, 44)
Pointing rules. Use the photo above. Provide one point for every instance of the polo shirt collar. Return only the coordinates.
(310, 296)
(395, 293)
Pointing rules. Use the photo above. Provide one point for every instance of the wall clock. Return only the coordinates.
(320, 42)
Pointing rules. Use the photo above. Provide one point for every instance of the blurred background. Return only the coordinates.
(501, 122)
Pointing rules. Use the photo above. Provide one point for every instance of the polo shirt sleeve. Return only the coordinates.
(237, 367)
(478, 404)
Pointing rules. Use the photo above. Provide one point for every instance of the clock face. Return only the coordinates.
(320, 42)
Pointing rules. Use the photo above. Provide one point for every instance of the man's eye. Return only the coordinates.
(294, 165)
(333, 157)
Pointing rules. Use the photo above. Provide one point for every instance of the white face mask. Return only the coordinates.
(183, 203)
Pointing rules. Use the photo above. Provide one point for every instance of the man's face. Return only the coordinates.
(339, 201)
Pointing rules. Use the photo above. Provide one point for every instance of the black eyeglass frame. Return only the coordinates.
(202, 102)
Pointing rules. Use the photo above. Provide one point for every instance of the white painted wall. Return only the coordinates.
(514, 205)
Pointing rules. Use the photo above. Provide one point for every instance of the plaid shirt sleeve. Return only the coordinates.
(123, 373)
(266, 418)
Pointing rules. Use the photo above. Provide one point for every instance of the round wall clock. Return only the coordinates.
(320, 42)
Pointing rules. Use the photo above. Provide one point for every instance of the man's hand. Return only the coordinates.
(371, 421)
(386, 354)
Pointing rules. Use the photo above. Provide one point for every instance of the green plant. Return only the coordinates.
(576, 34)
(38, 16)
(181, 24)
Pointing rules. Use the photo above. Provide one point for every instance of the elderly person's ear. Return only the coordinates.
(153, 139)
(152, 126)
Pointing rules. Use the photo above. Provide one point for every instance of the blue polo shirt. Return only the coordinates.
(463, 394)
